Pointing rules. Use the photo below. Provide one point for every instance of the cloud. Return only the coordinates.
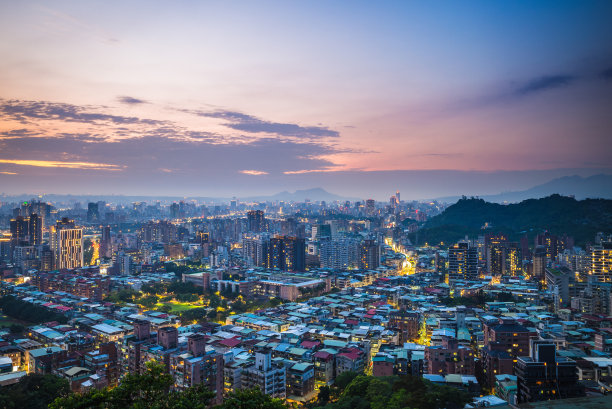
(24, 111)
(60, 164)
(545, 83)
(7, 173)
(248, 123)
(16, 133)
(254, 172)
(131, 100)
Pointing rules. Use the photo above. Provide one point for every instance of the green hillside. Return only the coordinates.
(581, 219)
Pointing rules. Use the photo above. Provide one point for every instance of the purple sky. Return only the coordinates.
(217, 99)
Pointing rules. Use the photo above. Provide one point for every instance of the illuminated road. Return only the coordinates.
(408, 265)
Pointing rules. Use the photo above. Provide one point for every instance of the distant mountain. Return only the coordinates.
(316, 195)
(594, 187)
(581, 219)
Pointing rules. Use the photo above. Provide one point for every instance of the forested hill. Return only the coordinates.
(581, 219)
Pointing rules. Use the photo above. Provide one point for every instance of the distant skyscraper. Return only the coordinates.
(106, 246)
(19, 231)
(370, 206)
(93, 214)
(67, 244)
(256, 221)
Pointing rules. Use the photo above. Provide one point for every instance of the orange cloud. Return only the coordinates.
(8, 173)
(254, 172)
(59, 164)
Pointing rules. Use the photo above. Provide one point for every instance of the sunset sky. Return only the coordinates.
(241, 98)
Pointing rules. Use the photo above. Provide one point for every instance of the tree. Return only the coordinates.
(33, 391)
(324, 395)
(344, 379)
(150, 390)
(251, 399)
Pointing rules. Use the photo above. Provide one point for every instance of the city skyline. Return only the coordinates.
(203, 99)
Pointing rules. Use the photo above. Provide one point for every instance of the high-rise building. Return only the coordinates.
(601, 259)
(494, 250)
(369, 255)
(539, 262)
(255, 249)
(106, 244)
(462, 262)
(26, 230)
(287, 253)
(67, 244)
(339, 253)
(321, 231)
(256, 221)
(551, 242)
(19, 231)
(93, 214)
(370, 206)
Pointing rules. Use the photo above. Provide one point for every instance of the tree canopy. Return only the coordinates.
(33, 391)
(394, 392)
(152, 390)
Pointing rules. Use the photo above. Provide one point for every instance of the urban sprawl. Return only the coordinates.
(288, 296)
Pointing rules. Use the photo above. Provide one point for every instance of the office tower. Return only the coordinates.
(494, 248)
(601, 262)
(106, 244)
(321, 231)
(174, 211)
(35, 229)
(370, 206)
(289, 227)
(93, 214)
(539, 262)
(545, 376)
(397, 195)
(19, 231)
(369, 255)
(67, 244)
(256, 221)
(462, 262)
(287, 254)
(25, 231)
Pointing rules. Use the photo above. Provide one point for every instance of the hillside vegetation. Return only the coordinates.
(581, 219)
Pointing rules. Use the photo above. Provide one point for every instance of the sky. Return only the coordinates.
(246, 98)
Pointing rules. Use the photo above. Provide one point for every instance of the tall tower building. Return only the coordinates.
(93, 214)
(369, 255)
(106, 246)
(35, 229)
(462, 262)
(601, 267)
(67, 244)
(256, 221)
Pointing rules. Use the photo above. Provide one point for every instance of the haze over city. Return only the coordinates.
(249, 98)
